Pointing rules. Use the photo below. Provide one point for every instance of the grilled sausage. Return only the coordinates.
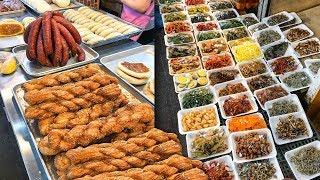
(81, 54)
(57, 55)
(68, 37)
(65, 52)
(74, 32)
(47, 36)
(41, 56)
(32, 38)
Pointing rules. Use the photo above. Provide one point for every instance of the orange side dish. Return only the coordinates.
(248, 122)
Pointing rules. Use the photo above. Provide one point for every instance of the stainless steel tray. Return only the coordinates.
(47, 162)
(73, 4)
(115, 39)
(12, 12)
(37, 70)
(144, 54)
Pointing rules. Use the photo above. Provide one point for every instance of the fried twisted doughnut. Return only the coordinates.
(82, 117)
(124, 119)
(148, 148)
(66, 102)
(65, 77)
(189, 169)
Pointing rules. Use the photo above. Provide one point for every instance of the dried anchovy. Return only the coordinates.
(223, 76)
(236, 33)
(297, 80)
(260, 82)
(208, 35)
(180, 38)
(253, 68)
(308, 47)
(232, 89)
(181, 51)
(291, 127)
(248, 21)
(209, 143)
(196, 98)
(259, 27)
(223, 15)
(276, 51)
(172, 8)
(277, 19)
(176, 16)
(271, 93)
(267, 37)
(307, 160)
(257, 170)
(220, 5)
(283, 65)
(283, 107)
(232, 23)
(201, 18)
(296, 34)
(252, 145)
(234, 106)
(218, 170)
(314, 67)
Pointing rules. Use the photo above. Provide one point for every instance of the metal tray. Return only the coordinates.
(37, 70)
(12, 12)
(47, 162)
(115, 39)
(73, 4)
(144, 54)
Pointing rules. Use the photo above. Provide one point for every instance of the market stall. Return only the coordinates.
(251, 66)
(100, 75)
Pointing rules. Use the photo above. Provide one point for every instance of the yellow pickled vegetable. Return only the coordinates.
(247, 51)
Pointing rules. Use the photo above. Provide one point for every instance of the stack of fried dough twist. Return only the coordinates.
(175, 167)
(148, 148)
(128, 121)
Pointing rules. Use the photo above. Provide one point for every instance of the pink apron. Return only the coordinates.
(136, 18)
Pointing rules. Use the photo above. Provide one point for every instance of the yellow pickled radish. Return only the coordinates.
(183, 80)
(192, 84)
(202, 81)
(9, 66)
(202, 73)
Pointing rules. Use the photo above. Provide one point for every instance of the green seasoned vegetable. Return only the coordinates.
(201, 18)
(169, 1)
(307, 160)
(206, 35)
(197, 97)
(220, 5)
(232, 23)
(181, 51)
(196, 9)
(227, 14)
(172, 8)
(209, 143)
(268, 36)
(283, 107)
(277, 19)
(236, 33)
(297, 80)
(177, 16)
(276, 51)
(259, 27)
(257, 170)
(248, 21)
(180, 38)
(314, 67)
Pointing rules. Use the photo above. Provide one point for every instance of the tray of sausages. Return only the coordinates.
(53, 45)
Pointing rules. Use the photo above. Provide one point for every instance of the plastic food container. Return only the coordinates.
(256, 35)
(173, 7)
(260, 90)
(218, 87)
(164, 2)
(205, 58)
(250, 15)
(221, 70)
(266, 19)
(192, 47)
(233, 20)
(238, 42)
(167, 43)
(296, 20)
(296, 62)
(191, 136)
(227, 160)
(257, 27)
(182, 94)
(191, 76)
(218, 13)
(291, 153)
(273, 121)
(273, 161)
(309, 62)
(235, 34)
(259, 115)
(289, 50)
(294, 45)
(301, 26)
(250, 97)
(217, 43)
(217, 5)
(194, 2)
(243, 64)
(175, 14)
(185, 62)
(196, 26)
(171, 27)
(291, 97)
(197, 33)
(207, 17)
(182, 113)
(282, 77)
(205, 9)
(276, 81)
(265, 131)
(247, 51)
